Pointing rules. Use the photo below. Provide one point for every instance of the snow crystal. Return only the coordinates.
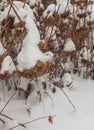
(69, 45)
(7, 65)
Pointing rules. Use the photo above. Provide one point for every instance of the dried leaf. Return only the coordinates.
(50, 119)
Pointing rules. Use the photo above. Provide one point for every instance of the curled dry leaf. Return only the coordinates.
(50, 119)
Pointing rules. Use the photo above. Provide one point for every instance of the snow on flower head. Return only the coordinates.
(61, 6)
(49, 11)
(7, 65)
(69, 45)
(23, 12)
(30, 53)
(67, 80)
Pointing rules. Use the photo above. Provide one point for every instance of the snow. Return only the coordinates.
(62, 6)
(67, 118)
(32, 2)
(69, 45)
(49, 11)
(30, 52)
(23, 12)
(7, 65)
(86, 54)
(2, 50)
(81, 94)
(67, 80)
(34, 55)
(33, 36)
(91, 8)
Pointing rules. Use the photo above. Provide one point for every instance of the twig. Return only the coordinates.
(11, 4)
(24, 3)
(68, 99)
(2, 121)
(3, 90)
(26, 123)
(6, 116)
(49, 97)
(7, 102)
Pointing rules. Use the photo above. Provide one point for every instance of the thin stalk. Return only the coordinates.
(8, 102)
(26, 123)
(68, 99)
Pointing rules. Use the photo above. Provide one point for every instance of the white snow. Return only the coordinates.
(7, 65)
(86, 54)
(32, 2)
(30, 52)
(81, 94)
(49, 11)
(69, 45)
(29, 56)
(2, 50)
(33, 36)
(62, 6)
(67, 118)
(22, 12)
(67, 79)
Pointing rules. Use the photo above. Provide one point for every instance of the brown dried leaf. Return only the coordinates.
(50, 119)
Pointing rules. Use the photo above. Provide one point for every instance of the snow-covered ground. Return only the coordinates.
(66, 117)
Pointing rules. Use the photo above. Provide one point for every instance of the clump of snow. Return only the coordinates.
(85, 53)
(33, 36)
(69, 45)
(50, 10)
(29, 56)
(51, 31)
(22, 12)
(1, 49)
(61, 6)
(67, 79)
(32, 2)
(30, 52)
(7, 65)
(67, 66)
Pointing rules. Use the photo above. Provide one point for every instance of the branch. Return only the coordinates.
(49, 97)
(2, 121)
(24, 124)
(11, 4)
(7, 102)
(6, 116)
(68, 99)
